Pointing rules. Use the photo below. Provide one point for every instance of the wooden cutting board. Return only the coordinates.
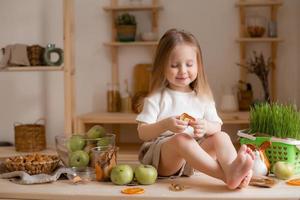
(141, 78)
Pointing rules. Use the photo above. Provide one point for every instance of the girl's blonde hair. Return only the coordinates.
(167, 43)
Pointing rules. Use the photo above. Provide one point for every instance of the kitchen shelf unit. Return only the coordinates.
(243, 39)
(68, 67)
(84, 121)
(116, 119)
(114, 9)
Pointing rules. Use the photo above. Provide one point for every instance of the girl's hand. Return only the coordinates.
(175, 125)
(200, 127)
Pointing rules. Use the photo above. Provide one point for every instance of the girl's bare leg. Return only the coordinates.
(231, 167)
(236, 166)
(181, 148)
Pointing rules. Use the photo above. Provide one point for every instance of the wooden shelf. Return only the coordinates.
(113, 44)
(259, 3)
(31, 68)
(262, 39)
(131, 8)
(243, 6)
(129, 118)
(137, 43)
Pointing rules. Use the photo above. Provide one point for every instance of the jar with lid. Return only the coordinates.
(113, 98)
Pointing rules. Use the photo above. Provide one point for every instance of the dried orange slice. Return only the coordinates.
(186, 117)
(134, 190)
(295, 182)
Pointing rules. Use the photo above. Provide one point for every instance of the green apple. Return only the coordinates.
(95, 132)
(76, 142)
(283, 170)
(79, 159)
(145, 174)
(121, 174)
(105, 141)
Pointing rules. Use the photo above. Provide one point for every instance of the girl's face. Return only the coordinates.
(182, 68)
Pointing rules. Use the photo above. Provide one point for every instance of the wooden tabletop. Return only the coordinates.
(199, 186)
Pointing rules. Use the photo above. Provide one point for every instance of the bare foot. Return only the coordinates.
(245, 182)
(239, 168)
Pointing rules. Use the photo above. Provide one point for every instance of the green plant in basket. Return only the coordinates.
(282, 121)
(279, 124)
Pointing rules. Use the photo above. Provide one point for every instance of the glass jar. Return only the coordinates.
(113, 98)
(105, 158)
(272, 29)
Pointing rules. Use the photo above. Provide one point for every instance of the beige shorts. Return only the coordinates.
(150, 155)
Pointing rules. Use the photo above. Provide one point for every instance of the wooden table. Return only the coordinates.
(199, 186)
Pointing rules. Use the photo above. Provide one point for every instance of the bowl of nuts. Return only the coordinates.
(32, 163)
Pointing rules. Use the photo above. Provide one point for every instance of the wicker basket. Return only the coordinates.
(35, 55)
(30, 137)
(33, 163)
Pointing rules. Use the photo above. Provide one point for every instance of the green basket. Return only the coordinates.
(280, 149)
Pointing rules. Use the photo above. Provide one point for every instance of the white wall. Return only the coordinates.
(26, 96)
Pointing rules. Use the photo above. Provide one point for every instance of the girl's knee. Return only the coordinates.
(182, 139)
(221, 135)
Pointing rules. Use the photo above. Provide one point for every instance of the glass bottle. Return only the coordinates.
(50, 49)
(126, 99)
(113, 98)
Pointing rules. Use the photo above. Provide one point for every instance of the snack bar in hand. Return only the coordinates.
(186, 117)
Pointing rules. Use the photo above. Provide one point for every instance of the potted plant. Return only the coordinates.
(279, 124)
(126, 27)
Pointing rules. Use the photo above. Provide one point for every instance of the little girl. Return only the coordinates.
(174, 146)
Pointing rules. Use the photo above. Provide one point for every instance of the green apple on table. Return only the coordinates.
(79, 158)
(121, 174)
(283, 170)
(95, 132)
(145, 174)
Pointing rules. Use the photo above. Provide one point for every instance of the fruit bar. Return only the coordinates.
(186, 117)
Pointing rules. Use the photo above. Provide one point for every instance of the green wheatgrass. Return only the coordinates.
(278, 120)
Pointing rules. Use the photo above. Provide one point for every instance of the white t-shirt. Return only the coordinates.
(168, 103)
